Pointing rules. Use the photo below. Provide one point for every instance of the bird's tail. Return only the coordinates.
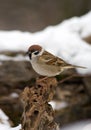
(69, 66)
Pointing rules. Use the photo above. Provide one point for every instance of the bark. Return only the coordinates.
(38, 114)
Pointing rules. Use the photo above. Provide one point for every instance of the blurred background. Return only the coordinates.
(34, 15)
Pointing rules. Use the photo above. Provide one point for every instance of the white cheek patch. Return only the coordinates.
(41, 52)
(33, 55)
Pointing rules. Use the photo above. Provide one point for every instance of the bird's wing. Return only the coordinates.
(49, 59)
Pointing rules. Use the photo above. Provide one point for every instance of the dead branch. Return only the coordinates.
(38, 114)
(70, 77)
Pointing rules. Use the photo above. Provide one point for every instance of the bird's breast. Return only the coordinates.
(45, 70)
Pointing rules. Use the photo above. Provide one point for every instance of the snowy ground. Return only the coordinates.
(82, 125)
(4, 122)
(63, 40)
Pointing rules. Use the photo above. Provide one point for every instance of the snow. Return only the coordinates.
(4, 122)
(87, 127)
(81, 125)
(3, 118)
(63, 40)
(14, 95)
(6, 127)
(57, 105)
(16, 128)
(16, 58)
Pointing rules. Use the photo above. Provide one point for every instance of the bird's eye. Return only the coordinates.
(36, 52)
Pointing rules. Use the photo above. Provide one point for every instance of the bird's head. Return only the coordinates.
(34, 51)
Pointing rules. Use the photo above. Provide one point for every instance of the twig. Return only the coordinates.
(69, 77)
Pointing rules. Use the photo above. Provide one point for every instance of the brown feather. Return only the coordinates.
(49, 59)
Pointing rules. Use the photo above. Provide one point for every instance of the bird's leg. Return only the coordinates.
(41, 78)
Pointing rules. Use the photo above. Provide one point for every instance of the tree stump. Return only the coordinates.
(38, 114)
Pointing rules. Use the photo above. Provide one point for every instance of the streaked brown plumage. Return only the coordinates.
(45, 63)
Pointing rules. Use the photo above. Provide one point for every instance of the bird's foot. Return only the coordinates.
(42, 78)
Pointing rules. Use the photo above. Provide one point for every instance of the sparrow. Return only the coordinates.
(47, 64)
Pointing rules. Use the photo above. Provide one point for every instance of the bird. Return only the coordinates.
(45, 63)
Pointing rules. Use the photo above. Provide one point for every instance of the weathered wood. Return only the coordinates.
(38, 114)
